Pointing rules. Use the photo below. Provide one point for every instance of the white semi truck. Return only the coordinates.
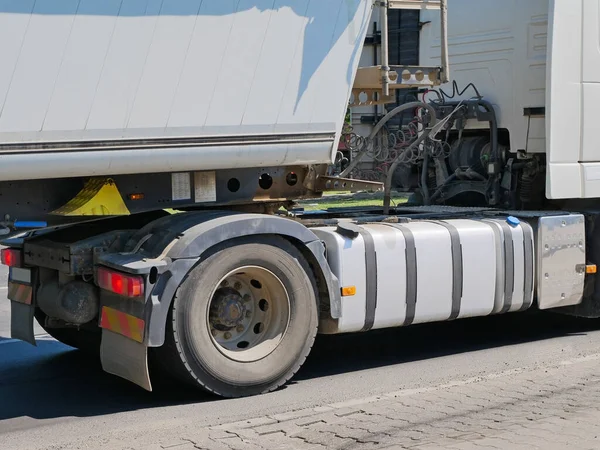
(151, 152)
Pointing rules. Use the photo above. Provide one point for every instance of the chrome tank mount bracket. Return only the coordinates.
(561, 257)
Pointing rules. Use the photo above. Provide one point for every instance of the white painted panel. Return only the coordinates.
(537, 135)
(590, 145)
(590, 151)
(346, 258)
(564, 180)
(478, 246)
(82, 64)
(591, 172)
(390, 248)
(591, 179)
(500, 46)
(124, 64)
(564, 97)
(153, 160)
(337, 73)
(591, 41)
(299, 98)
(189, 64)
(164, 64)
(202, 67)
(275, 63)
(239, 65)
(354, 274)
(13, 26)
(86, 70)
(434, 272)
(38, 65)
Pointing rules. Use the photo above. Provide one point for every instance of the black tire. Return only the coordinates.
(190, 351)
(84, 340)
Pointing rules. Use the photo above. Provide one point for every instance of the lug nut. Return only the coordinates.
(248, 313)
(239, 328)
(237, 286)
(247, 298)
(225, 283)
(227, 335)
(214, 332)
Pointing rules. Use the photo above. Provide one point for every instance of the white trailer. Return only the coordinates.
(225, 113)
(118, 87)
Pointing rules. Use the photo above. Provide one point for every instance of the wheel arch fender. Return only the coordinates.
(211, 232)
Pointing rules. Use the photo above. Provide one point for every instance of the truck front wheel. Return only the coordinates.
(244, 320)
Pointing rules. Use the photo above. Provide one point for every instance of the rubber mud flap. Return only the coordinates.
(21, 322)
(125, 358)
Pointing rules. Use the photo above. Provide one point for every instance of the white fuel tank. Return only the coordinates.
(429, 271)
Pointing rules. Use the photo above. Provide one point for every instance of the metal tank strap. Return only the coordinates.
(411, 272)
(371, 278)
(528, 285)
(457, 266)
(509, 264)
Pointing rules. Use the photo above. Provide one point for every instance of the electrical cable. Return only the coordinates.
(413, 144)
(443, 97)
(367, 142)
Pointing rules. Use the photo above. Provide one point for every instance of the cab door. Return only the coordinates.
(564, 99)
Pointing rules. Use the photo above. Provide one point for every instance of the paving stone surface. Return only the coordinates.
(544, 408)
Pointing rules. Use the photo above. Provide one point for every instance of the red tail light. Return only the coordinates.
(121, 284)
(11, 257)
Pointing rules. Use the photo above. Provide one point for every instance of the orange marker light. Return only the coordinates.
(121, 284)
(591, 269)
(348, 291)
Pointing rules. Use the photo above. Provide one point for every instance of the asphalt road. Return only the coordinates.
(54, 397)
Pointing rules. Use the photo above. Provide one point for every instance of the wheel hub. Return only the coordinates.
(227, 310)
(248, 314)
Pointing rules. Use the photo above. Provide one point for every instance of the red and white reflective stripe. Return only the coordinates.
(123, 324)
(20, 293)
(119, 283)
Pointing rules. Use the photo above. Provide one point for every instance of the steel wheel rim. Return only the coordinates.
(248, 314)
